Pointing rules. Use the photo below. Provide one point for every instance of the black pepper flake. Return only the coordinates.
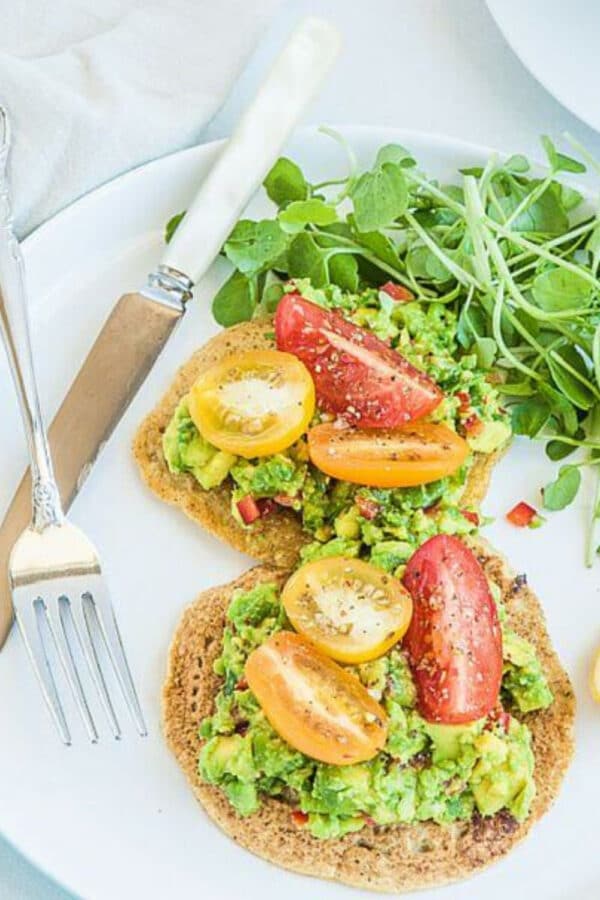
(519, 583)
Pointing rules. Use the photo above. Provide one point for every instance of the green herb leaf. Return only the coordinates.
(558, 161)
(559, 289)
(343, 271)
(545, 215)
(171, 226)
(485, 350)
(307, 260)
(378, 243)
(530, 416)
(379, 197)
(300, 213)
(557, 449)
(562, 492)
(561, 408)
(253, 247)
(593, 246)
(471, 325)
(235, 301)
(395, 153)
(285, 183)
(579, 395)
(424, 264)
(272, 292)
(517, 164)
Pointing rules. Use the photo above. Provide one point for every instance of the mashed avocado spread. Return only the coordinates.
(425, 771)
(383, 525)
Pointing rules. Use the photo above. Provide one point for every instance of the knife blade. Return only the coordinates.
(141, 323)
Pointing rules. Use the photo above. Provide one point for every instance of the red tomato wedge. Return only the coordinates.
(314, 704)
(454, 642)
(401, 457)
(356, 375)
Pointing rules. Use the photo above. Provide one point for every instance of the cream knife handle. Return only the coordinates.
(253, 148)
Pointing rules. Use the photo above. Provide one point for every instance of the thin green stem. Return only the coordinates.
(459, 273)
(359, 250)
(590, 545)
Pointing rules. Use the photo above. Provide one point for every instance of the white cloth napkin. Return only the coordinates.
(95, 87)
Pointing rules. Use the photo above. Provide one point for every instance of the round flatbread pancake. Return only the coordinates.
(395, 858)
(277, 538)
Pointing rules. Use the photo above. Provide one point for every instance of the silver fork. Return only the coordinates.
(59, 593)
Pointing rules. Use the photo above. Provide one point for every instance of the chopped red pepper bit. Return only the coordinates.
(465, 400)
(523, 515)
(397, 292)
(473, 424)
(248, 509)
(470, 516)
(241, 685)
(369, 820)
(299, 817)
(367, 507)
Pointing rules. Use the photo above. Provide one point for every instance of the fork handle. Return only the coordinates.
(14, 325)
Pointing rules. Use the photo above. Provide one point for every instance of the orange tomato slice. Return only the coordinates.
(313, 703)
(253, 404)
(350, 609)
(401, 457)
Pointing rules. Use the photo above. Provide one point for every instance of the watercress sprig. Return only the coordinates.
(514, 253)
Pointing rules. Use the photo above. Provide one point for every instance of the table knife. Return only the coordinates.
(140, 324)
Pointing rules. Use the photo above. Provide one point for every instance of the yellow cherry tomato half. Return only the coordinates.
(350, 609)
(402, 457)
(313, 703)
(254, 403)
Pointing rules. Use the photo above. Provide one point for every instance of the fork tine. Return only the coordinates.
(99, 600)
(89, 651)
(27, 621)
(54, 614)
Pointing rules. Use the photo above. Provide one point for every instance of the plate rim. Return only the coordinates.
(80, 205)
(519, 49)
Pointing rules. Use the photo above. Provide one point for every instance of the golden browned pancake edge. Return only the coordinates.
(393, 859)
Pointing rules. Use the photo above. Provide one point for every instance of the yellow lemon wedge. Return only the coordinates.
(595, 677)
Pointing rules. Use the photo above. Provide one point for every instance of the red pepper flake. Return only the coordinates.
(369, 820)
(241, 685)
(470, 516)
(299, 818)
(500, 716)
(524, 516)
(465, 400)
(367, 507)
(473, 424)
(397, 292)
(248, 509)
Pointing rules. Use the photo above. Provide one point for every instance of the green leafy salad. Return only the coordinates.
(506, 260)
(425, 771)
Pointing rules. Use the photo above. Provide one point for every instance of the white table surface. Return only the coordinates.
(434, 65)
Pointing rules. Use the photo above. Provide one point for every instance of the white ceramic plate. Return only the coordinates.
(117, 820)
(558, 43)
